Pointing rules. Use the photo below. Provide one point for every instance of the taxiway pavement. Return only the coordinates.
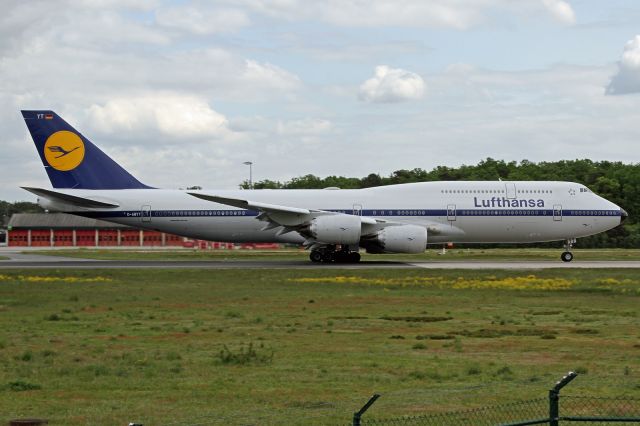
(21, 260)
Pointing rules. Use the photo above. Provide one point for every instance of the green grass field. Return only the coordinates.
(305, 347)
(458, 254)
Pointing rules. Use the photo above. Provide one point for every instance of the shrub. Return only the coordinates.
(173, 356)
(473, 371)
(26, 356)
(504, 372)
(21, 386)
(245, 355)
(417, 375)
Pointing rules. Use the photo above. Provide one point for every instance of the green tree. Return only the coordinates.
(8, 209)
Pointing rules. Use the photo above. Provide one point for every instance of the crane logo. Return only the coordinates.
(64, 150)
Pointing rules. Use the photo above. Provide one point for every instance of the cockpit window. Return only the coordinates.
(584, 189)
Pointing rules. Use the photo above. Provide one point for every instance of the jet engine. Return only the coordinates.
(336, 229)
(399, 239)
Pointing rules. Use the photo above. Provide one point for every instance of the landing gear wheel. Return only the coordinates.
(315, 256)
(328, 256)
(567, 256)
(340, 257)
(354, 257)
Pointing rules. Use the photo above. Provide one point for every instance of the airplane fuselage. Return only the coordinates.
(459, 212)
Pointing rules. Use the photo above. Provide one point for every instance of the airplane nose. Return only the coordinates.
(623, 215)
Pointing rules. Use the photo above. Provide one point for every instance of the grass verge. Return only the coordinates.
(305, 346)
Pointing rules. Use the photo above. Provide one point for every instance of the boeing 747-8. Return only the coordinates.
(332, 223)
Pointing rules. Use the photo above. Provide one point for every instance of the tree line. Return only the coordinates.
(7, 209)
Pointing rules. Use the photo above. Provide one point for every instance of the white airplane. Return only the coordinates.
(332, 223)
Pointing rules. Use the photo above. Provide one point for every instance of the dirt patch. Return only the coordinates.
(417, 319)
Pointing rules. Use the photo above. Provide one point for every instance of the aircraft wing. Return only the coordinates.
(278, 215)
(297, 219)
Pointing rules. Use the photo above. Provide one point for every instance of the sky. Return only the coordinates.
(182, 93)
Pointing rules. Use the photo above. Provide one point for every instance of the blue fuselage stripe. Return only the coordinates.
(368, 212)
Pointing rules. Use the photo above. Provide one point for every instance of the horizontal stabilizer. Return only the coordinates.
(70, 199)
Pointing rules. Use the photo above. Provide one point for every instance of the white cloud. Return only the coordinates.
(392, 85)
(174, 115)
(412, 13)
(627, 79)
(458, 14)
(450, 14)
(269, 75)
(561, 11)
(111, 51)
(202, 20)
(304, 127)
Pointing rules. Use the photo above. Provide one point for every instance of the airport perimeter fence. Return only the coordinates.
(595, 398)
(552, 410)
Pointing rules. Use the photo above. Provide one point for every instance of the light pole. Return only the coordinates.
(250, 164)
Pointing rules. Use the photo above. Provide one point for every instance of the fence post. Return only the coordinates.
(554, 398)
(357, 416)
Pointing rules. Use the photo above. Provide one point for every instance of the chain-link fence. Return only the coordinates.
(486, 416)
(552, 410)
(498, 403)
(607, 409)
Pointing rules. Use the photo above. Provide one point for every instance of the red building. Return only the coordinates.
(60, 229)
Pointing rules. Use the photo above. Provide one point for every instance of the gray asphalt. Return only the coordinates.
(28, 261)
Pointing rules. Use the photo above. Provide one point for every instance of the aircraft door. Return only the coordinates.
(146, 213)
(557, 212)
(451, 212)
(357, 209)
(510, 190)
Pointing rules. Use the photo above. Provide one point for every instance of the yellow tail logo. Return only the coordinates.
(64, 150)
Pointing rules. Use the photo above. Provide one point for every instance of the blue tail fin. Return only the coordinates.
(70, 159)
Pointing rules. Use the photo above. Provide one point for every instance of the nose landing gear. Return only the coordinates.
(567, 256)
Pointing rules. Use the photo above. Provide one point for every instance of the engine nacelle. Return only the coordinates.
(336, 229)
(402, 239)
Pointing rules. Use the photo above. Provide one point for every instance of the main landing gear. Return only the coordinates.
(328, 255)
(567, 256)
